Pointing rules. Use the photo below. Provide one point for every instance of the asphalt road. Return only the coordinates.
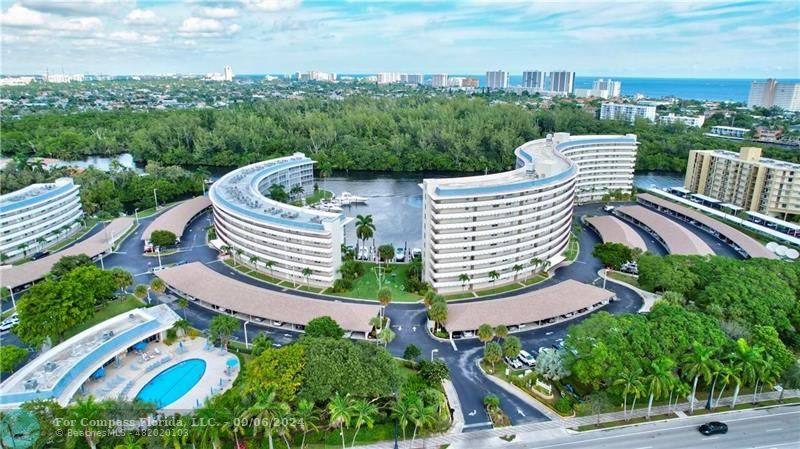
(766, 428)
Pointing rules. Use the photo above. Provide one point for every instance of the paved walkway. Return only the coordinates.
(558, 428)
(648, 297)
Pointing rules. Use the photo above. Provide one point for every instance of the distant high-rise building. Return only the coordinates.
(227, 73)
(439, 80)
(412, 78)
(469, 82)
(696, 122)
(497, 79)
(606, 88)
(562, 82)
(315, 76)
(63, 78)
(769, 93)
(388, 78)
(533, 79)
(627, 112)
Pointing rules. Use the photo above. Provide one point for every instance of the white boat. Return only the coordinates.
(347, 198)
(327, 207)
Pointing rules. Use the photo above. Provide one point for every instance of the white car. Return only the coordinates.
(277, 323)
(9, 323)
(513, 363)
(526, 358)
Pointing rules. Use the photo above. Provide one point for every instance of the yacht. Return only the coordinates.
(347, 198)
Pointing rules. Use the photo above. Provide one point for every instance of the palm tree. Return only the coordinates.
(178, 434)
(209, 434)
(132, 443)
(296, 191)
(306, 273)
(746, 361)
(421, 416)
(84, 413)
(494, 276)
(305, 414)
(24, 248)
(158, 285)
(696, 364)
(364, 414)
(386, 336)
(401, 410)
(225, 249)
(263, 413)
(183, 304)
(517, 268)
(630, 380)
(181, 326)
(660, 380)
(682, 390)
(545, 265)
(501, 331)
(769, 371)
(365, 228)
(535, 262)
(284, 424)
(726, 375)
(340, 412)
(140, 291)
(268, 264)
(464, 278)
(485, 333)
(237, 252)
(385, 298)
(254, 262)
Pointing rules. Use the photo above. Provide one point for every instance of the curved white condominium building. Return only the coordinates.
(37, 216)
(292, 238)
(479, 231)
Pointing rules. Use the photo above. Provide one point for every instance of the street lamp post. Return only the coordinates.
(246, 344)
(433, 351)
(158, 253)
(155, 198)
(136, 215)
(605, 277)
(13, 301)
(148, 295)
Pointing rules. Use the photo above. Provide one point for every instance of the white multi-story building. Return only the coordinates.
(497, 79)
(769, 93)
(290, 238)
(606, 88)
(533, 79)
(227, 73)
(731, 132)
(63, 78)
(439, 80)
(479, 230)
(412, 78)
(627, 112)
(695, 122)
(562, 82)
(315, 76)
(388, 78)
(33, 218)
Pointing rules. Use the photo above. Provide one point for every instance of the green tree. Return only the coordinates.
(422, 416)
(464, 279)
(494, 276)
(69, 263)
(85, 418)
(511, 347)
(365, 228)
(324, 326)
(163, 238)
(485, 333)
(660, 380)
(260, 343)
(364, 414)
(183, 304)
(631, 381)
(51, 308)
(438, 313)
(307, 272)
(384, 297)
(264, 412)
(122, 278)
(411, 352)
(157, 285)
(340, 413)
(433, 372)
(696, 364)
(281, 368)
(790, 379)
(550, 364)
(385, 336)
(140, 291)
(493, 353)
(613, 254)
(222, 328)
(10, 357)
(501, 331)
(386, 252)
(306, 416)
(746, 361)
(516, 268)
(277, 192)
(401, 411)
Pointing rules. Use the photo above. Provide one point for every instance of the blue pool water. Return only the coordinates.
(172, 383)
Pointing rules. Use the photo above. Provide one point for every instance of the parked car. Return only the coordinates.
(713, 428)
(513, 363)
(277, 323)
(9, 323)
(526, 358)
(39, 255)
(608, 208)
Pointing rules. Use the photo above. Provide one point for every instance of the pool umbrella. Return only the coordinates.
(231, 362)
(139, 346)
(99, 373)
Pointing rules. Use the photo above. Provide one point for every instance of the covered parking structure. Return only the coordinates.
(531, 309)
(738, 240)
(675, 238)
(197, 282)
(96, 245)
(178, 217)
(613, 230)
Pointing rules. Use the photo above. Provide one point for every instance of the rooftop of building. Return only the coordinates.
(238, 191)
(772, 163)
(33, 193)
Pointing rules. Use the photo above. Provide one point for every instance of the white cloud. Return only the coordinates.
(194, 25)
(234, 28)
(79, 7)
(132, 37)
(220, 13)
(272, 5)
(143, 17)
(20, 16)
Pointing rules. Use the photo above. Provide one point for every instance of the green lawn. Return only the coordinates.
(152, 210)
(539, 277)
(111, 309)
(457, 296)
(317, 196)
(623, 277)
(572, 249)
(366, 286)
(502, 289)
(88, 225)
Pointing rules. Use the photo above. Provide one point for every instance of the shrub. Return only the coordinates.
(564, 405)
(412, 352)
(351, 269)
(342, 285)
(491, 401)
(163, 238)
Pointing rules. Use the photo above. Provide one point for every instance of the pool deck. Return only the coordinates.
(133, 371)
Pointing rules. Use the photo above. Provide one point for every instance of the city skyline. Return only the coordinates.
(710, 40)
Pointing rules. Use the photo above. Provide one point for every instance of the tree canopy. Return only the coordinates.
(324, 326)
(161, 237)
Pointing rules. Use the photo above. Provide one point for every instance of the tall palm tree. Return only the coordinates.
(237, 252)
(296, 191)
(697, 364)
(401, 410)
(254, 262)
(682, 390)
(284, 424)
(421, 416)
(176, 436)
(306, 416)
(534, 263)
(268, 264)
(364, 414)
(183, 304)
(306, 273)
(84, 413)
(340, 412)
(630, 380)
(158, 285)
(485, 333)
(660, 380)
(769, 372)
(385, 298)
(545, 265)
(365, 228)
(386, 336)
(494, 276)
(746, 360)
(263, 412)
(501, 331)
(463, 278)
(517, 268)
(727, 374)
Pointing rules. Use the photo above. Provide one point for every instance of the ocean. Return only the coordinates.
(722, 89)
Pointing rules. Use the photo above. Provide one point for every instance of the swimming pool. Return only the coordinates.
(172, 383)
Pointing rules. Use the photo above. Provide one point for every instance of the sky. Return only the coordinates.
(647, 38)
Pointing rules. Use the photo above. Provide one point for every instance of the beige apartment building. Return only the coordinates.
(746, 180)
